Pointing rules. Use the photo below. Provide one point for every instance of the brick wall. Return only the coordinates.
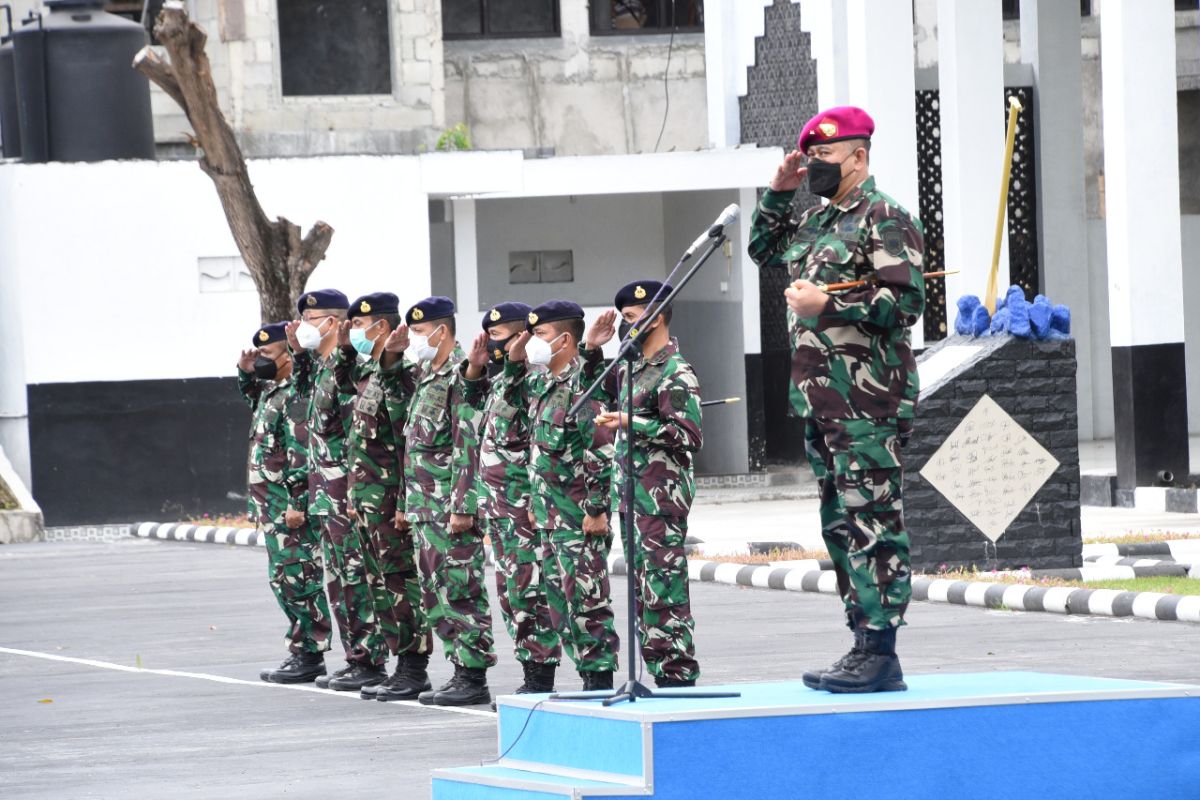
(1034, 382)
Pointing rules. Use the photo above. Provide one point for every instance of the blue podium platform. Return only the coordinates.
(978, 735)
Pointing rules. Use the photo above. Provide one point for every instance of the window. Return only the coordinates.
(341, 48)
(646, 16)
(541, 266)
(499, 19)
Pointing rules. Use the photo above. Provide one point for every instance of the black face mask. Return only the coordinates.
(265, 369)
(496, 349)
(625, 327)
(824, 177)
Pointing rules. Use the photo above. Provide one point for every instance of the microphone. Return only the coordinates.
(728, 217)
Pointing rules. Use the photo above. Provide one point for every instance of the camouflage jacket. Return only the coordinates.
(439, 462)
(667, 424)
(375, 445)
(330, 413)
(854, 360)
(502, 465)
(570, 466)
(276, 471)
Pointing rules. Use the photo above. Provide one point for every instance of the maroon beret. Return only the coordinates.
(835, 125)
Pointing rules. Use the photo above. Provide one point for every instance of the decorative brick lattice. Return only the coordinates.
(1022, 205)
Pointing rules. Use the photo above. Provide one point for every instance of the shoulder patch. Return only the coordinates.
(893, 240)
(679, 399)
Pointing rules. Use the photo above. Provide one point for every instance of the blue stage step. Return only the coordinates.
(980, 735)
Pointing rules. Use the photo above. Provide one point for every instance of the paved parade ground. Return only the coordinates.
(79, 720)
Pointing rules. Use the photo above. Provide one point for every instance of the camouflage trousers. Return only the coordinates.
(858, 470)
(294, 570)
(453, 593)
(665, 624)
(348, 590)
(521, 588)
(389, 556)
(580, 604)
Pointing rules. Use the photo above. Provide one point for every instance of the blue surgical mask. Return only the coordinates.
(360, 342)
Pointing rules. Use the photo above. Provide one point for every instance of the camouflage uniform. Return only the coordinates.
(854, 380)
(570, 472)
(502, 505)
(277, 479)
(376, 447)
(667, 425)
(439, 480)
(329, 419)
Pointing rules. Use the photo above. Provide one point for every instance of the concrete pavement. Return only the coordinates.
(216, 731)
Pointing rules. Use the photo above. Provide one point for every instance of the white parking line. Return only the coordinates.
(202, 676)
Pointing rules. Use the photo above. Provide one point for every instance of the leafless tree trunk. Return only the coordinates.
(278, 258)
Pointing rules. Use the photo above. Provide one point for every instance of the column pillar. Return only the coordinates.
(1050, 44)
(1145, 266)
(971, 82)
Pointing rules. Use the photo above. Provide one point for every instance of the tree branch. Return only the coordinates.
(150, 64)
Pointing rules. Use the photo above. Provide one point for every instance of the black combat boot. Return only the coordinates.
(812, 679)
(671, 683)
(410, 679)
(323, 681)
(596, 681)
(360, 675)
(468, 687)
(874, 669)
(296, 668)
(539, 678)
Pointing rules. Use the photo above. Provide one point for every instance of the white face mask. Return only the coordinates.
(539, 351)
(420, 347)
(309, 336)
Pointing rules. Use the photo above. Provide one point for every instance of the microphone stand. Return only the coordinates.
(628, 351)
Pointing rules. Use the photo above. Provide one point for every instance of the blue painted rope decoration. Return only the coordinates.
(1015, 316)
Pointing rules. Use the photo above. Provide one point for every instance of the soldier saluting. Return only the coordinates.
(854, 377)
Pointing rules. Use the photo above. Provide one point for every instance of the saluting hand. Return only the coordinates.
(343, 336)
(246, 360)
(790, 174)
(805, 298)
(517, 351)
(290, 330)
(397, 340)
(477, 356)
(602, 329)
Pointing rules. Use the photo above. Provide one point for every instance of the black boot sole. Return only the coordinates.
(812, 679)
(389, 697)
(301, 678)
(354, 688)
(480, 698)
(889, 685)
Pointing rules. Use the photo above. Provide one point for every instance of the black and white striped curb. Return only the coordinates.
(815, 576)
(1014, 597)
(1177, 549)
(1100, 489)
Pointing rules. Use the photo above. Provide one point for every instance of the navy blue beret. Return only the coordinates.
(506, 312)
(273, 332)
(553, 311)
(371, 305)
(322, 299)
(640, 293)
(431, 308)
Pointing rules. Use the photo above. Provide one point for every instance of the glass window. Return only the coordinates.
(499, 19)
(339, 48)
(646, 16)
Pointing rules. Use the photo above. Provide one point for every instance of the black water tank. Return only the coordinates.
(79, 97)
(10, 125)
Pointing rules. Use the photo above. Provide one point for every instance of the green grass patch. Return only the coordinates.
(1138, 537)
(1162, 583)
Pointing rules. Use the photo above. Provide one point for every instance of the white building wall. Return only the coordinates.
(106, 296)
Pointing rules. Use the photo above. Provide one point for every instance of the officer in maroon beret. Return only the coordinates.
(854, 377)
